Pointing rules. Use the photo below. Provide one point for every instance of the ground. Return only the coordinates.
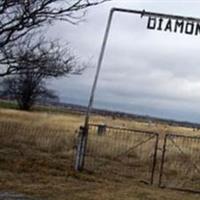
(39, 163)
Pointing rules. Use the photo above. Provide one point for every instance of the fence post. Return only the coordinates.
(154, 158)
(81, 148)
(162, 161)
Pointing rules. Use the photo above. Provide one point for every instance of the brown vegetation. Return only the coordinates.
(36, 158)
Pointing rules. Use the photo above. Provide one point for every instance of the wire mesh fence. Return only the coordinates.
(121, 153)
(180, 165)
(113, 152)
(32, 140)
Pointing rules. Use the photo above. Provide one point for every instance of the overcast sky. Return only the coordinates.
(144, 71)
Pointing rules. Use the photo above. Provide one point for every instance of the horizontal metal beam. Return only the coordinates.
(182, 136)
(126, 129)
(154, 14)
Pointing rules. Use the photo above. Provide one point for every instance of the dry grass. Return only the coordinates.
(71, 122)
(36, 156)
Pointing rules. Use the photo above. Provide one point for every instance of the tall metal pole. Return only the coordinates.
(105, 39)
(83, 134)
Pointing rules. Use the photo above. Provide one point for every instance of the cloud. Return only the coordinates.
(144, 71)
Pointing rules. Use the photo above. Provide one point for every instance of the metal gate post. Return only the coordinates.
(154, 159)
(162, 161)
(81, 148)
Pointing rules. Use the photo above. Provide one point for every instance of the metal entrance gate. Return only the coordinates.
(120, 153)
(180, 164)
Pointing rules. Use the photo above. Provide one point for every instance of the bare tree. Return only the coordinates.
(47, 58)
(27, 89)
(19, 17)
(34, 64)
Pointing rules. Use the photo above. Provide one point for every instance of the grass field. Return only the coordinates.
(36, 158)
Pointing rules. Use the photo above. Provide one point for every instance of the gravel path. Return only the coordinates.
(13, 196)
